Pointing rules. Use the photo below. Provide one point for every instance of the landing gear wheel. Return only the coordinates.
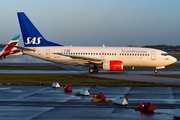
(155, 71)
(91, 70)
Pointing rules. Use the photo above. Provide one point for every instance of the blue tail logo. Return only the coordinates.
(31, 36)
(33, 40)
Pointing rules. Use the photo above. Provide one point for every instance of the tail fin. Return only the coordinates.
(31, 36)
(14, 41)
(10, 46)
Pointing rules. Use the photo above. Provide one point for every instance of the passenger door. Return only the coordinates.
(153, 55)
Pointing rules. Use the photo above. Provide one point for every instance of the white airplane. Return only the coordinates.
(9, 49)
(107, 58)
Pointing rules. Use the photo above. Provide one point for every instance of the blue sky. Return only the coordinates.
(96, 22)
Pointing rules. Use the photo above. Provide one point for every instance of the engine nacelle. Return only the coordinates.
(113, 65)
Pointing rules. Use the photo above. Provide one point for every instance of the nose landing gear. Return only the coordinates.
(156, 71)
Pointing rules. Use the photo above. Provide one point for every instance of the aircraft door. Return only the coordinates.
(48, 53)
(153, 55)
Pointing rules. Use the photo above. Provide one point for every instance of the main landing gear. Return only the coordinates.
(156, 71)
(93, 69)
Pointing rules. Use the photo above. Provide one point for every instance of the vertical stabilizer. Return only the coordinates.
(10, 46)
(31, 36)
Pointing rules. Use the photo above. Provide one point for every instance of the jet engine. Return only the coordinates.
(113, 65)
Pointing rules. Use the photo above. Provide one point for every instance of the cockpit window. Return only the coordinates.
(164, 54)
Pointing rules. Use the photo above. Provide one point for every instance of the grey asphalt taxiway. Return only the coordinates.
(47, 103)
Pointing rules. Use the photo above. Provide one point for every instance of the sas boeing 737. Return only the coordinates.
(107, 58)
(9, 48)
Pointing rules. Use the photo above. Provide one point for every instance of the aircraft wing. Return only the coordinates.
(83, 58)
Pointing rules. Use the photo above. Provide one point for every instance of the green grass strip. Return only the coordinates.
(71, 79)
(30, 68)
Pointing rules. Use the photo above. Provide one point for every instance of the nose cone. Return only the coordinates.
(173, 60)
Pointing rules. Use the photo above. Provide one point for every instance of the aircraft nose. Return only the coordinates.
(173, 59)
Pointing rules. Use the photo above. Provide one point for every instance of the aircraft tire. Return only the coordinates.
(91, 70)
(155, 71)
